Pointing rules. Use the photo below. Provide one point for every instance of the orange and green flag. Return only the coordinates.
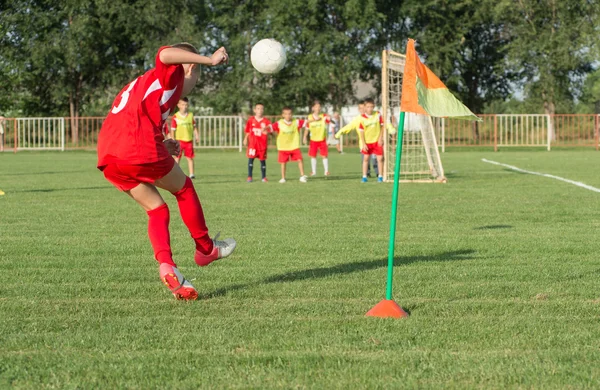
(424, 93)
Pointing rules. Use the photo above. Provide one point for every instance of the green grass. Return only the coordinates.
(499, 271)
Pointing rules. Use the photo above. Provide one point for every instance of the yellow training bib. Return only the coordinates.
(185, 127)
(289, 136)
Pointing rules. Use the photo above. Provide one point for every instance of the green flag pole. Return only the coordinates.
(387, 307)
(388, 290)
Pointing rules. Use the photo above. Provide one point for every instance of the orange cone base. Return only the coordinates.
(387, 309)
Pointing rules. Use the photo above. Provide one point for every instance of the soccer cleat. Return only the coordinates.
(221, 249)
(303, 179)
(282, 181)
(264, 180)
(380, 179)
(363, 180)
(174, 280)
(313, 174)
(249, 179)
(192, 176)
(327, 173)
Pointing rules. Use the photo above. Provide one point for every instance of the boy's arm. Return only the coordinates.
(305, 139)
(175, 56)
(381, 131)
(361, 135)
(246, 139)
(196, 136)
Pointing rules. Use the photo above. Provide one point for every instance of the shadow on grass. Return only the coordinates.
(43, 173)
(493, 227)
(63, 189)
(344, 269)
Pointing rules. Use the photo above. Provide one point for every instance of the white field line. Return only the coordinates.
(577, 183)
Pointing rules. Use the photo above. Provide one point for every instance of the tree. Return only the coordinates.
(64, 53)
(327, 43)
(552, 46)
(465, 45)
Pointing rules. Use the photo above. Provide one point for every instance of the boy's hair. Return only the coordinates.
(369, 101)
(315, 102)
(184, 99)
(258, 104)
(286, 108)
(186, 46)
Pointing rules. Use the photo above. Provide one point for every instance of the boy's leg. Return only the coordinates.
(191, 166)
(283, 171)
(313, 166)
(250, 167)
(379, 164)
(325, 154)
(148, 197)
(375, 164)
(365, 165)
(263, 168)
(189, 207)
(301, 166)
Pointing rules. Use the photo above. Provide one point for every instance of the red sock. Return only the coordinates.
(193, 216)
(158, 231)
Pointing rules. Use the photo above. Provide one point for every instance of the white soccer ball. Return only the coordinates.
(268, 56)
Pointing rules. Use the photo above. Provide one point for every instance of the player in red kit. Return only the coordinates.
(256, 140)
(135, 158)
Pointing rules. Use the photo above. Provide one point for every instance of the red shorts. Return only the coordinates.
(187, 149)
(287, 155)
(321, 146)
(126, 177)
(260, 154)
(373, 148)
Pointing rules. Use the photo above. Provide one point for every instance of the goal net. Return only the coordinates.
(420, 153)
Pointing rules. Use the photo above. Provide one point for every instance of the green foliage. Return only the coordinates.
(68, 57)
(553, 45)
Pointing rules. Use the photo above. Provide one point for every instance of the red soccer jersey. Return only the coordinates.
(257, 138)
(132, 132)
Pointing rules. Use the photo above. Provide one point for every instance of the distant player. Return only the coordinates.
(256, 140)
(334, 127)
(317, 125)
(183, 130)
(370, 131)
(353, 126)
(288, 142)
(135, 158)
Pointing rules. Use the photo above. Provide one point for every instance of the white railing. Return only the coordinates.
(219, 132)
(40, 133)
(524, 130)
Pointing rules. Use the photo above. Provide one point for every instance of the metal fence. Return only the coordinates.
(227, 132)
(509, 130)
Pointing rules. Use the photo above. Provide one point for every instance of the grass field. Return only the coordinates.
(499, 270)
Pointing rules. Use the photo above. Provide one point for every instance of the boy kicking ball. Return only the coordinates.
(183, 130)
(256, 140)
(136, 159)
(288, 142)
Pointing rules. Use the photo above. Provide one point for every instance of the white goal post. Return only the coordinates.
(421, 162)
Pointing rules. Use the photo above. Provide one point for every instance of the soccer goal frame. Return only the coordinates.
(421, 162)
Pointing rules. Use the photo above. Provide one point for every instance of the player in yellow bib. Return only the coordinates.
(183, 129)
(370, 132)
(354, 126)
(317, 125)
(288, 141)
